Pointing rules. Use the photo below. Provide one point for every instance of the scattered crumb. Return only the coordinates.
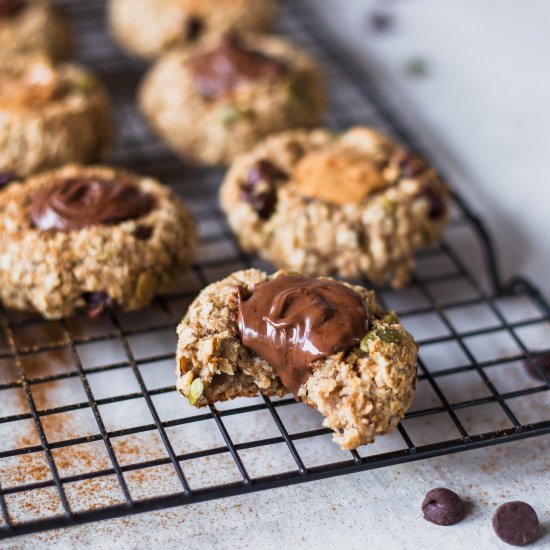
(416, 67)
(380, 21)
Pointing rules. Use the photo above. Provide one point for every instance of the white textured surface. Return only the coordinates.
(377, 509)
(484, 105)
(484, 99)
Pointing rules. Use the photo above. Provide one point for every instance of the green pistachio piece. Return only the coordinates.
(334, 134)
(388, 204)
(372, 309)
(387, 335)
(105, 256)
(371, 335)
(229, 115)
(195, 391)
(84, 82)
(145, 287)
(391, 319)
(166, 277)
(297, 94)
(390, 336)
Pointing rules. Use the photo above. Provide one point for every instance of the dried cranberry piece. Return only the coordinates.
(9, 8)
(409, 164)
(194, 28)
(263, 198)
(543, 361)
(97, 303)
(143, 232)
(5, 178)
(436, 202)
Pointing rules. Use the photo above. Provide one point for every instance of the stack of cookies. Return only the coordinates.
(315, 203)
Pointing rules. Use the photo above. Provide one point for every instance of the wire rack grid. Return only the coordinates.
(91, 426)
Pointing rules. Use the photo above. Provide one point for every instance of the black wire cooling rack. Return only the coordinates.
(91, 426)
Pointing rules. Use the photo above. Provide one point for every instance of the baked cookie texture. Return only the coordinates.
(30, 27)
(50, 116)
(148, 28)
(353, 204)
(213, 130)
(57, 273)
(362, 392)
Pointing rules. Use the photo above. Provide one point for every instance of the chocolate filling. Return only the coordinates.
(6, 177)
(409, 164)
(260, 187)
(10, 8)
(437, 206)
(75, 203)
(194, 27)
(291, 321)
(230, 64)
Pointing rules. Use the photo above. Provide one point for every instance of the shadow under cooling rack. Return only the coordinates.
(91, 426)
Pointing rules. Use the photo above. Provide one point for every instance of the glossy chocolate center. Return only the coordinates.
(76, 203)
(291, 321)
(223, 69)
(10, 8)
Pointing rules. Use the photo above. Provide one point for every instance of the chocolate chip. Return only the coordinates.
(443, 507)
(296, 150)
(437, 205)
(194, 28)
(409, 164)
(262, 202)
(543, 361)
(260, 188)
(516, 523)
(143, 232)
(97, 303)
(380, 21)
(5, 178)
(266, 171)
(243, 293)
(10, 8)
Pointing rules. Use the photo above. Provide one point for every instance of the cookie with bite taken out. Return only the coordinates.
(327, 342)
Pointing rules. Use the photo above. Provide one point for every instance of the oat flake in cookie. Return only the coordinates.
(353, 204)
(30, 27)
(87, 238)
(148, 28)
(328, 342)
(50, 115)
(217, 102)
